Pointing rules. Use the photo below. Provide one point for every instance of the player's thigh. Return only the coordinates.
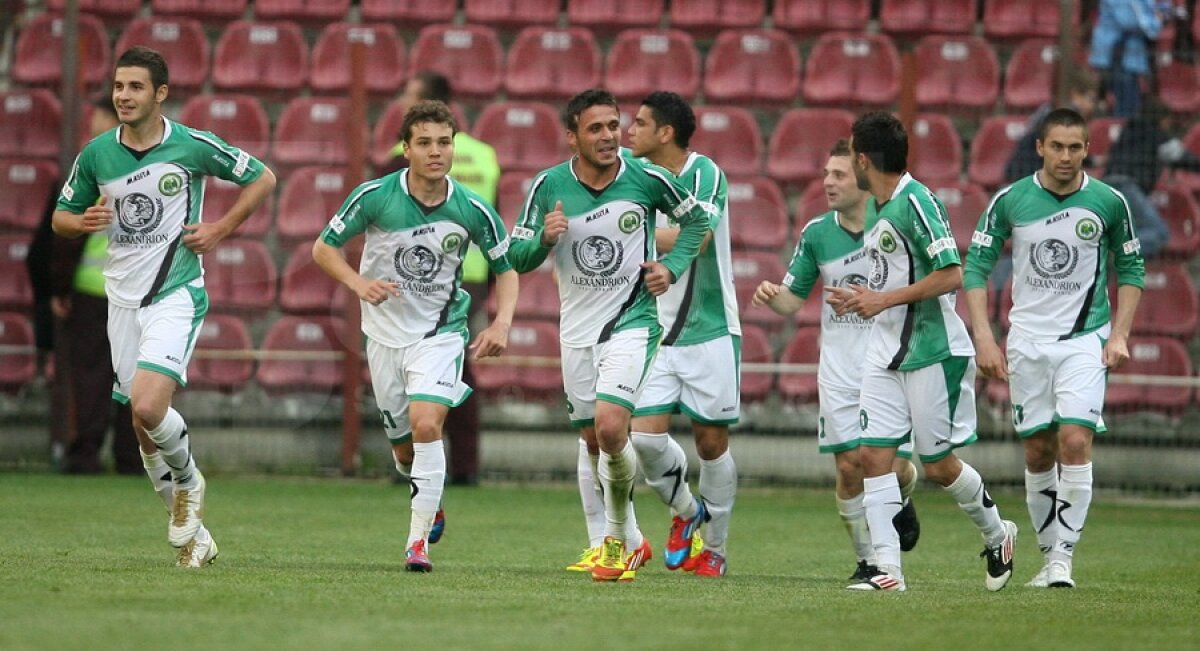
(1030, 386)
(942, 401)
(579, 384)
(169, 331)
(839, 426)
(391, 395)
(660, 393)
(1080, 380)
(884, 419)
(433, 369)
(711, 392)
(622, 364)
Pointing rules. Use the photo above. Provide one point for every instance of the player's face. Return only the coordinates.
(858, 163)
(1062, 152)
(597, 139)
(645, 136)
(841, 185)
(134, 95)
(430, 150)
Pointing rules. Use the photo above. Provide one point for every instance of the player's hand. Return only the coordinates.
(376, 291)
(60, 306)
(862, 301)
(766, 291)
(837, 299)
(990, 359)
(491, 342)
(658, 278)
(97, 217)
(1116, 352)
(554, 224)
(203, 237)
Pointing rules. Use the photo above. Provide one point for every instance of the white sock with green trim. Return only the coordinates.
(718, 489)
(1075, 493)
(1041, 497)
(665, 465)
(171, 438)
(617, 472)
(590, 495)
(428, 483)
(881, 501)
(972, 497)
(854, 517)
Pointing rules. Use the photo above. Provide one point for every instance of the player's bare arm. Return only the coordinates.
(204, 237)
(988, 356)
(782, 302)
(866, 303)
(332, 261)
(93, 220)
(492, 341)
(1116, 350)
(664, 239)
(554, 224)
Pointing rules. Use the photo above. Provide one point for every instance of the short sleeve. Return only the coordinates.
(217, 158)
(930, 230)
(352, 218)
(80, 189)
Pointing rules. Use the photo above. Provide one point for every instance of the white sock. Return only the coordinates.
(171, 437)
(881, 501)
(589, 495)
(1075, 494)
(1041, 496)
(405, 470)
(428, 482)
(160, 477)
(906, 489)
(972, 497)
(616, 477)
(718, 488)
(665, 466)
(855, 519)
(633, 533)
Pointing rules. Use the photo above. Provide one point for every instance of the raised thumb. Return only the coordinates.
(558, 206)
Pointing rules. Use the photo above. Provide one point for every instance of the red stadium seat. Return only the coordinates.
(511, 13)
(514, 187)
(29, 123)
(552, 63)
(1182, 213)
(306, 289)
(525, 339)
(239, 120)
(180, 40)
(1013, 19)
(221, 332)
(211, 10)
(113, 9)
(383, 65)
(16, 293)
(817, 16)
(409, 12)
(752, 65)
(526, 135)
(309, 200)
(611, 15)
(307, 11)
(312, 130)
(1151, 356)
(749, 269)
(804, 348)
(957, 72)
(758, 215)
(800, 144)
(303, 335)
(927, 16)
(756, 349)
(965, 202)
(219, 197)
(729, 135)
(18, 369)
(469, 55)
(711, 15)
(25, 187)
(1179, 85)
(642, 61)
(1029, 75)
(1102, 133)
(992, 147)
(1169, 303)
(39, 51)
(935, 150)
(813, 203)
(261, 56)
(537, 300)
(852, 69)
(240, 275)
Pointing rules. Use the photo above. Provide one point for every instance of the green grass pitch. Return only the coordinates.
(318, 564)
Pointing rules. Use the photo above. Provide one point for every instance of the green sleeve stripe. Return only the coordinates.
(526, 220)
(362, 192)
(990, 213)
(489, 220)
(1128, 214)
(231, 152)
(666, 182)
(916, 203)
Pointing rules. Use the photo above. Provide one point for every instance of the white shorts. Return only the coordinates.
(613, 371)
(702, 381)
(429, 370)
(159, 337)
(934, 407)
(838, 428)
(1053, 382)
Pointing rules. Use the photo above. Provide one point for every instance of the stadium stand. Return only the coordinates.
(221, 332)
(1169, 303)
(15, 291)
(26, 185)
(180, 40)
(729, 135)
(957, 72)
(1181, 211)
(1029, 74)
(749, 269)
(706, 16)
(550, 63)
(470, 55)
(801, 141)
(310, 197)
(525, 339)
(752, 66)
(261, 57)
(812, 203)
(409, 12)
(39, 51)
(514, 187)
(29, 123)
(537, 300)
(810, 313)
(1179, 85)
(1016, 19)
(305, 11)
(610, 15)
(384, 63)
(240, 276)
(852, 69)
(965, 202)
(113, 10)
(756, 349)
(758, 215)
(309, 334)
(18, 369)
(1102, 133)
(305, 289)
(803, 348)
(916, 17)
(641, 61)
(206, 10)
(219, 197)
(311, 131)
(817, 16)
(239, 120)
(992, 147)
(1152, 356)
(526, 135)
(511, 14)
(934, 148)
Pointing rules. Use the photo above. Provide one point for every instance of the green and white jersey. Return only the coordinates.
(828, 251)
(1061, 245)
(421, 249)
(610, 234)
(908, 238)
(153, 194)
(701, 305)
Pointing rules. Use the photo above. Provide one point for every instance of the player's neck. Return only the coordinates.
(144, 133)
(430, 192)
(854, 218)
(1060, 187)
(671, 158)
(883, 186)
(594, 177)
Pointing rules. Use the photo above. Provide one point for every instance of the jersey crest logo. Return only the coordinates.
(598, 256)
(1087, 228)
(1053, 258)
(879, 272)
(451, 242)
(629, 222)
(170, 184)
(138, 213)
(417, 263)
(887, 242)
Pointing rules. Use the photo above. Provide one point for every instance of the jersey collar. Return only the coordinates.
(404, 185)
(166, 131)
(620, 170)
(1083, 184)
(905, 178)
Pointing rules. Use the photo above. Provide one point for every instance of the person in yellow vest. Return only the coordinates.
(475, 166)
(78, 298)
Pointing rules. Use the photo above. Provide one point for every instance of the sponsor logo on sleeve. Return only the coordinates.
(1132, 246)
(684, 208)
(498, 250)
(522, 233)
(981, 238)
(939, 245)
(243, 160)
(337, 224)
(68, 192)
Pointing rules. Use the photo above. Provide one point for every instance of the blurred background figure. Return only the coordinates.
(1122, 42)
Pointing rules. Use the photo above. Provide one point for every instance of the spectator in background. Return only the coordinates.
(476, 168)
(1122, 41)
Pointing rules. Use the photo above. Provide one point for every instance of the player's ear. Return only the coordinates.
(160, 94)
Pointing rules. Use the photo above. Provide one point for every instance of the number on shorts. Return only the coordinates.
(386, 417)
(1018, 414)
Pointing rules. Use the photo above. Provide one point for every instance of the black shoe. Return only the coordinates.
(908, 526)
(864, 571)
(1000, 559)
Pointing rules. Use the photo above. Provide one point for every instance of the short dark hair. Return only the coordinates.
(671, 110)
(1062, 117)
(436, 86)
(881, 136)
(140, 56)
(840, 148)
(427, 111)
(584, 101)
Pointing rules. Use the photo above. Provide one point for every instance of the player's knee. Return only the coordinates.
(426, 430)
(711, 441)
(1075, 447)
(147, 414)
(944, 471)
(1040, 453)
(849, 470)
